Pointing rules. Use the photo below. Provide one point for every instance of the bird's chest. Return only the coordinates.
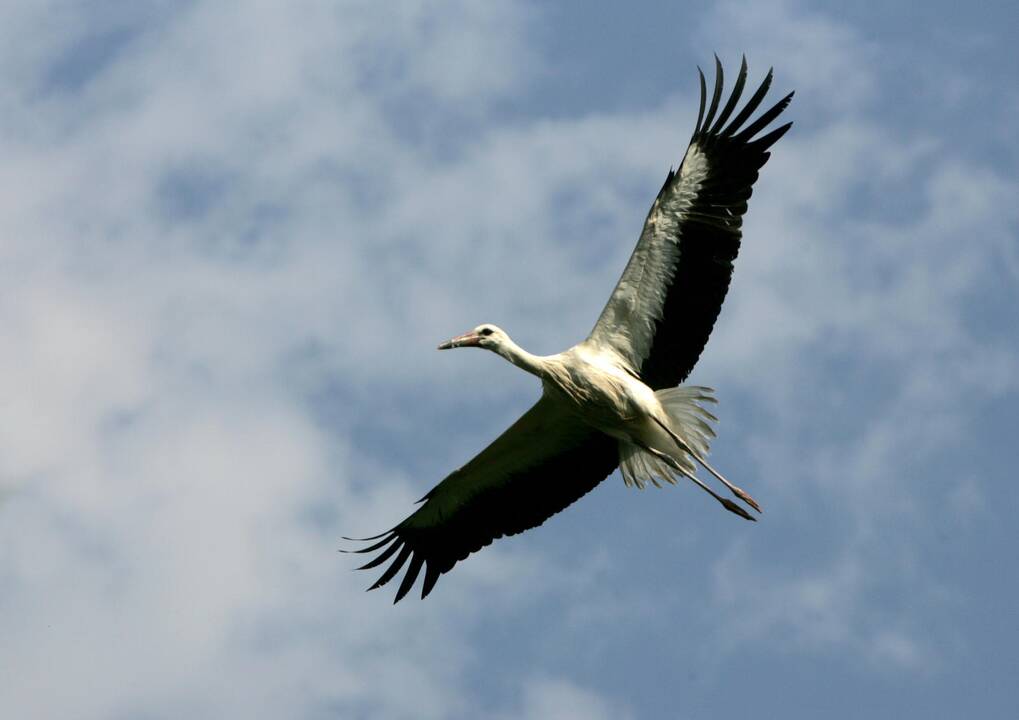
(601, 394)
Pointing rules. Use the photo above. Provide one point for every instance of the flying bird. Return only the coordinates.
(611, 400)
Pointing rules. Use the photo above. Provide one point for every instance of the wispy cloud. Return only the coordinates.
(189, 225)
(850, 327)
(550, 698)
(234, 232)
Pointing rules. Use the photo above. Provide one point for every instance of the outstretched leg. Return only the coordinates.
(671, 462)
(737, 491)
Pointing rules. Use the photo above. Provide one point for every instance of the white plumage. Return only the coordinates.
(611, 400)
(627, 324)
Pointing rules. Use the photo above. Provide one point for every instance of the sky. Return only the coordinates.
(232, 234)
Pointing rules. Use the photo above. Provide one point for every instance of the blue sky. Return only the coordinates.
(231, 235)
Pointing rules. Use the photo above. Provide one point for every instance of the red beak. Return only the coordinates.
(469, 339)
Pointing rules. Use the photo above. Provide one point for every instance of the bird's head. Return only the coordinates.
(487, 336)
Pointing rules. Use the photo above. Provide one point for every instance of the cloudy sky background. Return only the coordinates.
(232, 233)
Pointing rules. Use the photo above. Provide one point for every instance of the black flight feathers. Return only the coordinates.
(709, 236)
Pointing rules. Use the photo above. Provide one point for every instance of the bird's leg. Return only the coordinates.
(671, 462)
(737, 491)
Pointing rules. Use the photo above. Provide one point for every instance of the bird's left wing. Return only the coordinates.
(662, 310)
(544, 462)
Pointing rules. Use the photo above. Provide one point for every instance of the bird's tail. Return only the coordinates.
(689, 422)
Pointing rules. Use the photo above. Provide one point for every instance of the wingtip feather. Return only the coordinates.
(734, 96)
(385, 539)
(763, 120)
(704, 93)
(366, 539)
(385, 555)
(408, 579)
(393, 568)
(716, 94)
(432, 573)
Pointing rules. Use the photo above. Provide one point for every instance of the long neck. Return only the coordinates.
(534, 364)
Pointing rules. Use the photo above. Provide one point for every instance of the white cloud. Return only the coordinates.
(826, 61)
(249, 207)
(821, 610)
(553, 698)
(181, 224)
(865, 247)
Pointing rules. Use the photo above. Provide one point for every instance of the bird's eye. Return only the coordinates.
(486, 331)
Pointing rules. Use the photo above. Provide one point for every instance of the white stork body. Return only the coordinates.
(658, 431)
(597, 386)
(593, 383)
(612, 400)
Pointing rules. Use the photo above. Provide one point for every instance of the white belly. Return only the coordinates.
(604, 394)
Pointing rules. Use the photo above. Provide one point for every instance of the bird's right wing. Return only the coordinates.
(661, 312)
(544, 462)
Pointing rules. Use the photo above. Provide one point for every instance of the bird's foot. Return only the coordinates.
(734, 508)
(745, 497)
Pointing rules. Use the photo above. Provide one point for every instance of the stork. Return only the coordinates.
(611, 400)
